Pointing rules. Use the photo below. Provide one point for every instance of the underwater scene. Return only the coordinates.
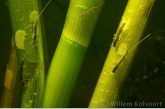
(82, 54)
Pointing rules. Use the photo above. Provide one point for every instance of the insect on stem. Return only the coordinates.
(119, 63)
(36, 23)
(116, 36)
(91, 10)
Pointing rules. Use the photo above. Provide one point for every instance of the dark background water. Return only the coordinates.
(144, 83)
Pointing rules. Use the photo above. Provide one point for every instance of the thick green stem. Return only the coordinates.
(120, 56)
(27, 35)
(80, 22)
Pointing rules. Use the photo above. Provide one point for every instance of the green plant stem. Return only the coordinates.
(62, 75)
(23, 16)
(118, 62)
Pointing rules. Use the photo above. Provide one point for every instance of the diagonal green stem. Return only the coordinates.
(118, 62)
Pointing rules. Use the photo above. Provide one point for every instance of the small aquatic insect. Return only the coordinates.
(116, 36)
(23, 77)
(36, 23)
(119, 63)
(90, 10)
(24, 56)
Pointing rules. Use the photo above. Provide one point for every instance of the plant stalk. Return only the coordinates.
(120, 56)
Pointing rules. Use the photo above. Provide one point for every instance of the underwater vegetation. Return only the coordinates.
(78, 53)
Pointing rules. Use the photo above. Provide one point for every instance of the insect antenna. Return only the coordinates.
(43, 10)
(139, 42)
